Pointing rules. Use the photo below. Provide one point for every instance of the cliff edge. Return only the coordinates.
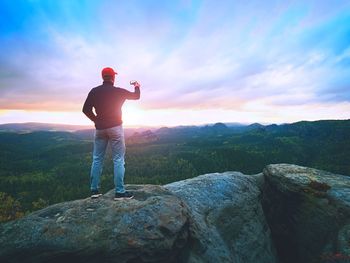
(286, 214)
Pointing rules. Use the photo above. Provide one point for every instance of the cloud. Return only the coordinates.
(190, 55)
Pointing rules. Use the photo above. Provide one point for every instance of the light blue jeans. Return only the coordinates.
(114, 136)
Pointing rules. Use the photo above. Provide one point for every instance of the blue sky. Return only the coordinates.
(197, 61)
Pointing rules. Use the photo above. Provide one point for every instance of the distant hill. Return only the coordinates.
(45, 167)
(35, 126)
(82, 131)
(311, 128)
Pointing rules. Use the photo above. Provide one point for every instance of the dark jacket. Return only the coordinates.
(107, 101)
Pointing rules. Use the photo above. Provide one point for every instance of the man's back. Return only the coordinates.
(107, 101)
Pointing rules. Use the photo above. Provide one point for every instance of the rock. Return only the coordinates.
(152, 227)
(216, 217)
(227, 220)
(308, 211)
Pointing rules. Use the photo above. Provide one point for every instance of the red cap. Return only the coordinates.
(108, 72)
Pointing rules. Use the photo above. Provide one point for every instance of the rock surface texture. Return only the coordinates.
(286, 214)
(152, 227)
(308, 211)
(228, 223)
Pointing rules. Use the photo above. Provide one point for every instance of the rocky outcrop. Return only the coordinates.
(286, 214)
(308, 211)
(152, 227)
(227, 220)
(210, 218)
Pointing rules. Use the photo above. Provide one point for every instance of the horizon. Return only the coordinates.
(168, 126)
(128, 126)
(198, 62)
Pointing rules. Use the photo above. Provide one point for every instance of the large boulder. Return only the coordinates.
(152, 227)
(210, 218)
(308, 211)
(227, 220)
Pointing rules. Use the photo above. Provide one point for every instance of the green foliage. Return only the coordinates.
(39, 204)
(10, 208)
(42, 168)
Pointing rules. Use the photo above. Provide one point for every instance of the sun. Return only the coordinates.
(133, 115)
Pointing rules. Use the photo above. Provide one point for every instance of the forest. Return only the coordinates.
(40, 168)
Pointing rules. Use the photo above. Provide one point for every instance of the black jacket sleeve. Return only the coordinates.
(132, 95)
(87, 108)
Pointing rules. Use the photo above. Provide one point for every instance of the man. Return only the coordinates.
(107, 101)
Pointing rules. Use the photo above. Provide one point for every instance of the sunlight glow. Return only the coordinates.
(135, 117)
(202, 62)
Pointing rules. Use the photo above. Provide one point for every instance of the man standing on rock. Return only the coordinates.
(107, 101)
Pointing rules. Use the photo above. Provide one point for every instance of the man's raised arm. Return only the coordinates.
(133, 95)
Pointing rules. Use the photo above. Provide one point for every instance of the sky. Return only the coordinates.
(197, 61)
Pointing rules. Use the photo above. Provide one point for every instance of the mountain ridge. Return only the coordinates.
(47, 167)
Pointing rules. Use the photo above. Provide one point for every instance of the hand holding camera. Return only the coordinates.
(135, 83)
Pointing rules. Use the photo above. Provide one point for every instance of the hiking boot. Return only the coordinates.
(125, 195)
(95, 194)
